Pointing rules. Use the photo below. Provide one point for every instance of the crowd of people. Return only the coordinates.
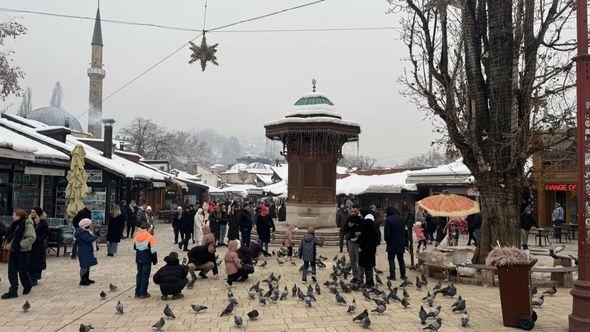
(199, 230)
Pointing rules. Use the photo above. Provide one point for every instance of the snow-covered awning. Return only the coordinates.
(115, 164)
(374, 184)
(16, 146)
(452, 173)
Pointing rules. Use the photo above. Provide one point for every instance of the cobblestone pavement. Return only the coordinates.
(58, 303)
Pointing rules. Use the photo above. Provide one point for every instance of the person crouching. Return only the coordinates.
(171, 277)
(233, 264)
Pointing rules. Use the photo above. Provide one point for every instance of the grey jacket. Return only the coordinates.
(307, 248)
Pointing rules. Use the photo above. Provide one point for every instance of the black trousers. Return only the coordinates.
(391, 256)
(173, 289)
(342, 239)
(186, 237)
(18, 268)
(471, 238)
(238, 276)
(245, 237)
(130, 230)
(176, 232)
(290, 251)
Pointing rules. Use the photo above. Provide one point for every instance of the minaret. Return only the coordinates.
(96, 75)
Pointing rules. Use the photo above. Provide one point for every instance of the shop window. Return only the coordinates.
(27, 191)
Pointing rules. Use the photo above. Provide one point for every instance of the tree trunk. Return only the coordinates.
(500, 210)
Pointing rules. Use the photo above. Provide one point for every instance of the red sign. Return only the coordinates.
(561, 187)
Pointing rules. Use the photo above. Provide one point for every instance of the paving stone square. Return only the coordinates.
(58, 303)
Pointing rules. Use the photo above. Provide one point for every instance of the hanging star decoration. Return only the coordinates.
(203, 53)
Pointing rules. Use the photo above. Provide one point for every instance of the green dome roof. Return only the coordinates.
(313, 100)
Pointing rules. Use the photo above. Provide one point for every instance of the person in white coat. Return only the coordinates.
(199, 223)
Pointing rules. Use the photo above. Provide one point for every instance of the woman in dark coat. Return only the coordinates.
(282, 212)
(86, 241)
(264, 226)
(37, 261)
(115, 230)
(368, 241)
(186, 229)
(233, 223)
(176, 222)
(131, 218)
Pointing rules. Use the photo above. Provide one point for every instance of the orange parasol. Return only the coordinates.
(449, 205)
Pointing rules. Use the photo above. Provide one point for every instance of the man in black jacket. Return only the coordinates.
(352, 230)
(245, 222)
(341, 219)
(171, 277)
(527, 221)
(201, 258)
(394, 234)
(82, 214)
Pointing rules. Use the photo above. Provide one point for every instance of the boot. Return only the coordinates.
(11, 294)
(88, 278)
(84, 280)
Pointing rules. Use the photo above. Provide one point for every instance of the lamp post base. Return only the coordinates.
(579, 320)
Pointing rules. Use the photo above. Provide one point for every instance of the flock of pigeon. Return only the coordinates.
(337, 285)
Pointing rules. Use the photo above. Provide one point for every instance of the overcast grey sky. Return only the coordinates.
(260, 74)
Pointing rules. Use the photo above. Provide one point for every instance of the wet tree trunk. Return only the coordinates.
(500, 210)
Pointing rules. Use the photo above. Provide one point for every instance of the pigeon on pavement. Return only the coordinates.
(253, 315)
(460, 306)
(361, 316)
(198, 308)
(26, 306)
(538, 302)
(85, 328)
(228, 309)
(103, 295)
(465, 319)
(351, 307)
(551, 291)
(168, 312)
(380, 309)
(238, 321)
(119, 307)
(159, 324)
(366, 322)
(423, 315)
(113, 287)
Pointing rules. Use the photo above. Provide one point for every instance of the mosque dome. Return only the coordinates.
(55, 116)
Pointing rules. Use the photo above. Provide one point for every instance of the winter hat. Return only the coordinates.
(370, 217)
(148, 208)
(85, 223)
(263, 208)
(418, 224)
(179, 208)
(38, 210)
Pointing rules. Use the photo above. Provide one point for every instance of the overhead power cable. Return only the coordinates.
(159, 62)
(178, 28)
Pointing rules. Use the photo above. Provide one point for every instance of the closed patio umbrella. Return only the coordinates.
(77, 189)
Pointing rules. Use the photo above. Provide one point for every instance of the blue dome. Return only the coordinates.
(55, 116)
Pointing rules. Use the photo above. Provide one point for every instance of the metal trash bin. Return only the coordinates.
(516, 296)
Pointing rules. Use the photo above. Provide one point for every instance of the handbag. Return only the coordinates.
(5, 252)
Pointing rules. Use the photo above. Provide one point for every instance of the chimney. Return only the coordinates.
(107, 151)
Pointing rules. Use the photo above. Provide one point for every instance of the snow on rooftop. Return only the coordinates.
(282, 171)
(361, 184)
(116, 164)
(277, 188)
(455, 168)
(19, 143)
(240, 189)
(319, 119)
